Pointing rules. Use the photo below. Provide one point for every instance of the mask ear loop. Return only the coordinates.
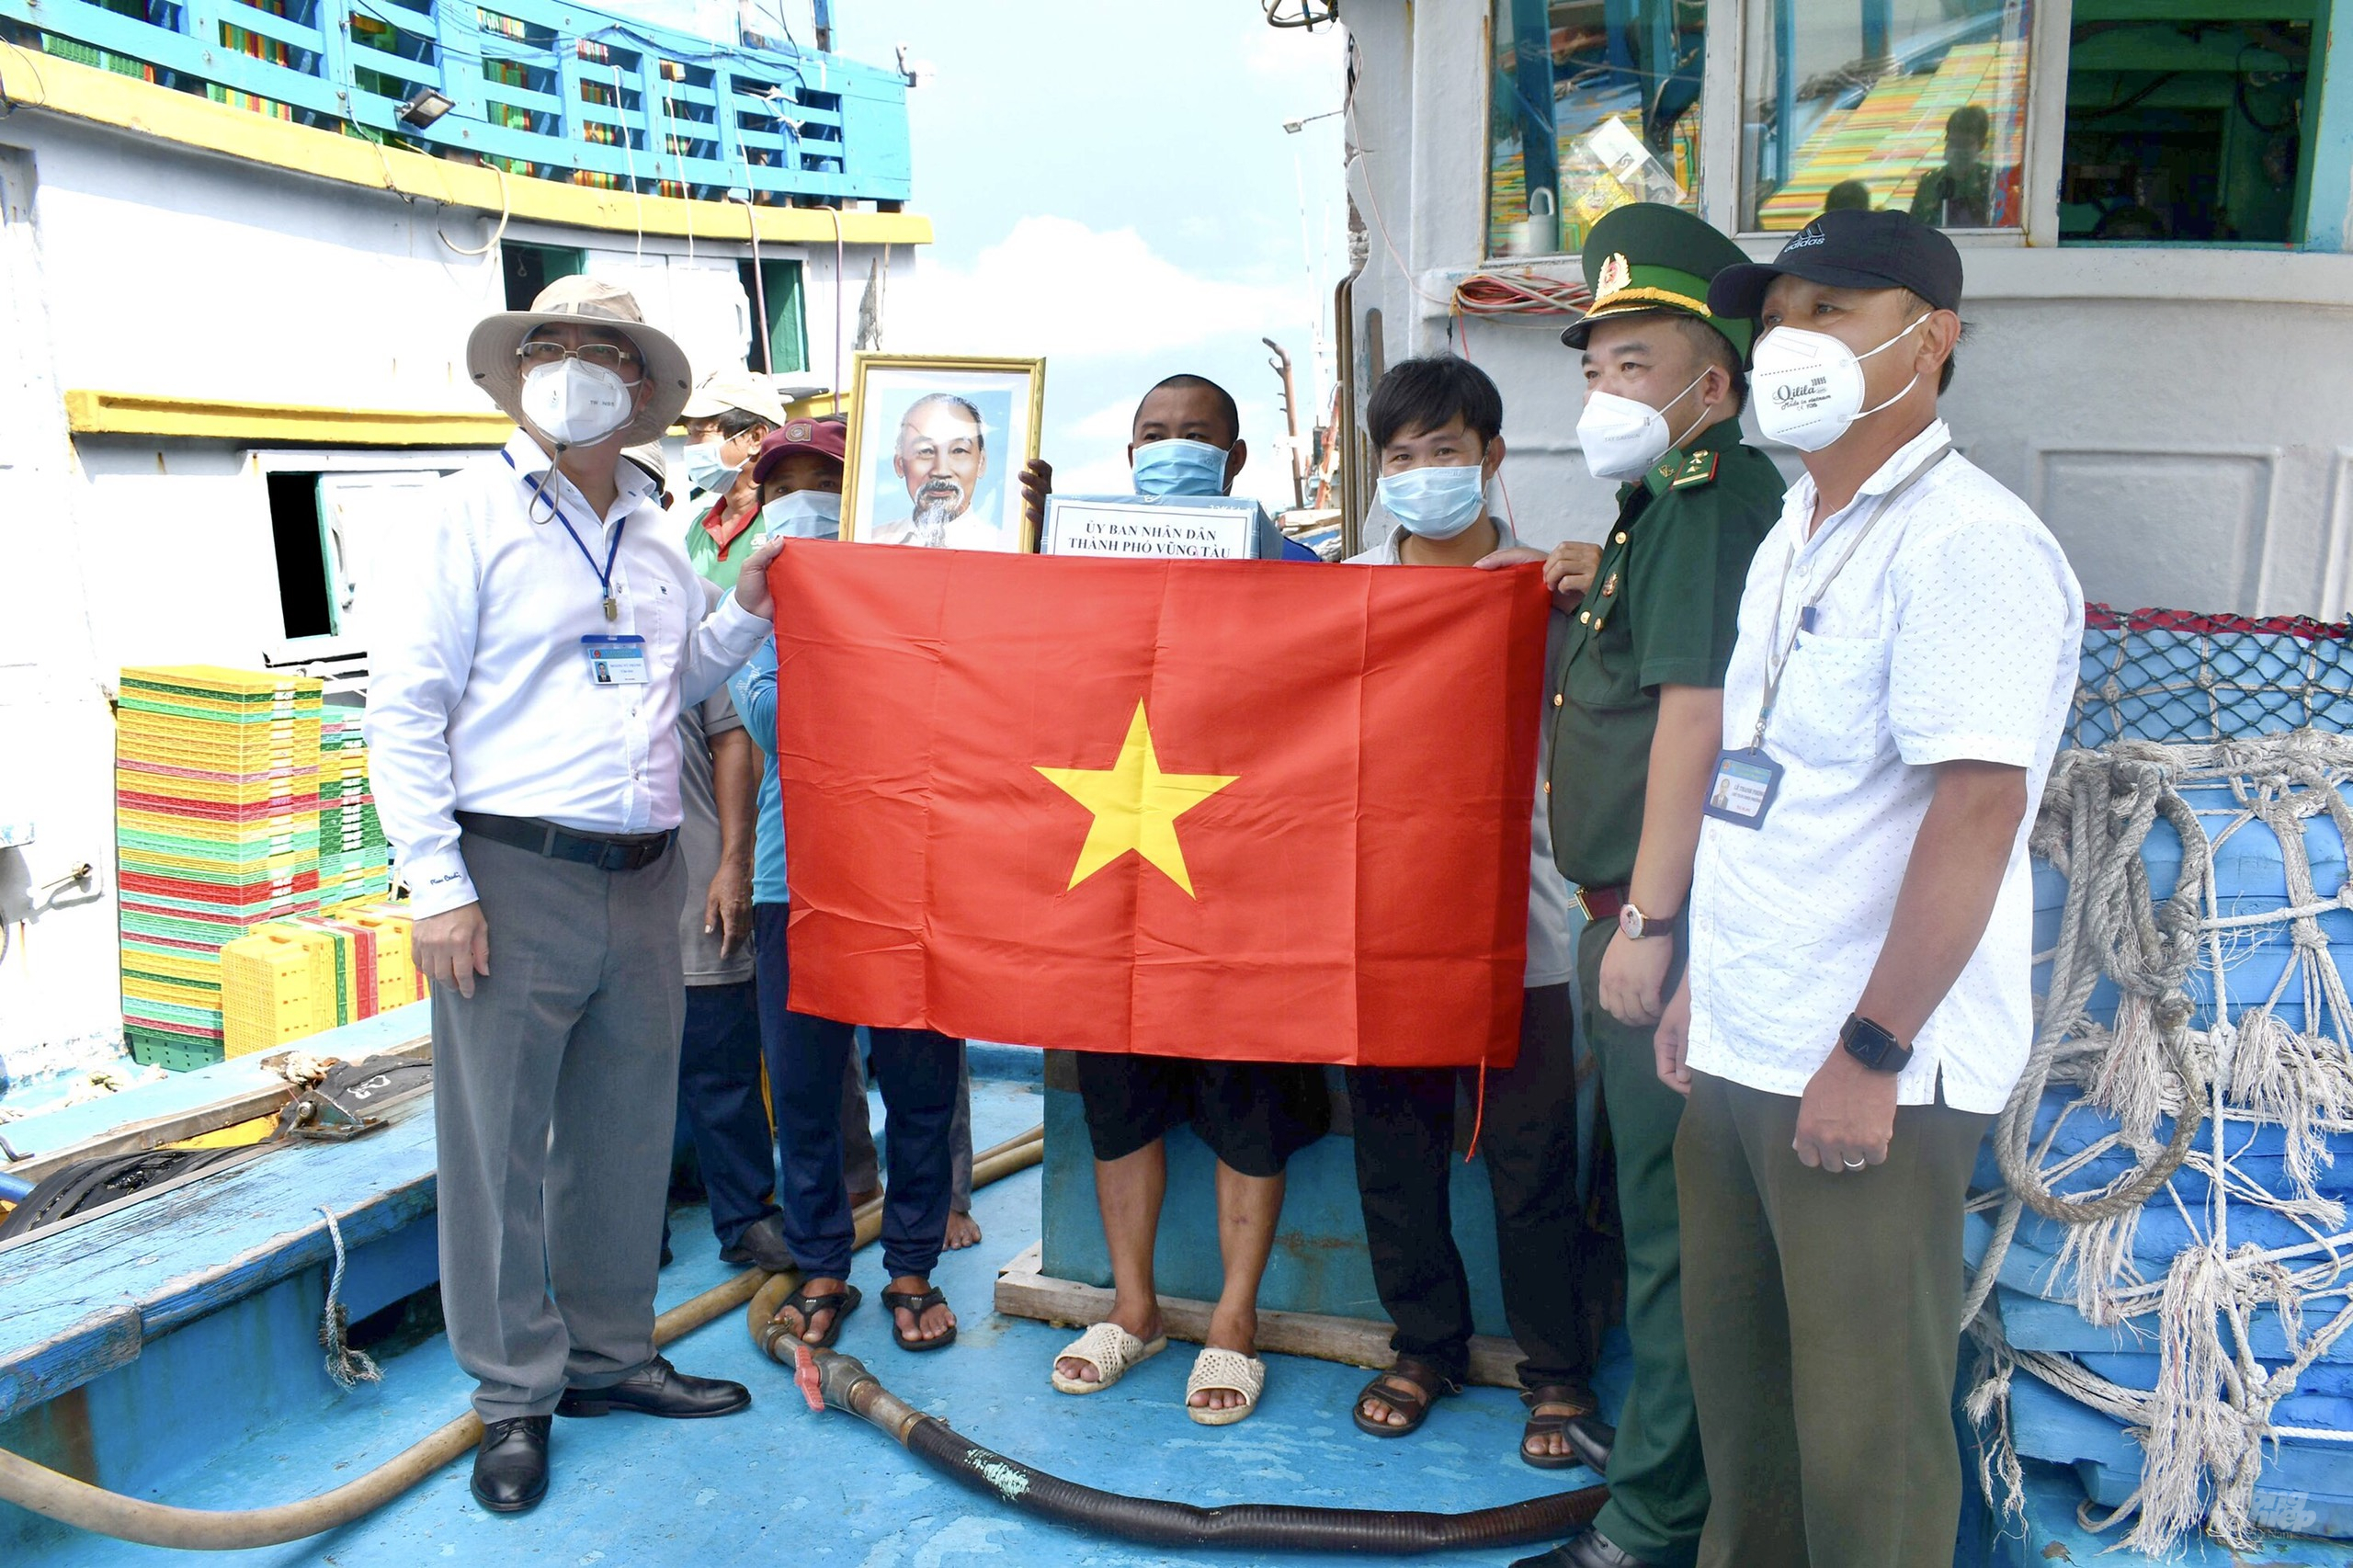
(1905, 390)
(1673, 440)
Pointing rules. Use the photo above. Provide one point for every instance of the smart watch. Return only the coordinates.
(1634, 924)
(1873, 1046)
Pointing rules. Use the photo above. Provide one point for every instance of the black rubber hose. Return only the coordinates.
(844, 1383)
(1264, 1526)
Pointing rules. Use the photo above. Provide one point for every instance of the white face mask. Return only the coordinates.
(1808, 386)
(574, 404)
(1621, 438)
(804, 514)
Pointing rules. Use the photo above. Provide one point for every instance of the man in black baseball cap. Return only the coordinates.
(1856, 1007)
(1850, 248)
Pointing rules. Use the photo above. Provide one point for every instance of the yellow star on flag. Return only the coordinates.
(1135, 805)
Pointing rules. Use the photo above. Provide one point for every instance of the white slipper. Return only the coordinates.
(1111, 1350)
(1230, 1370)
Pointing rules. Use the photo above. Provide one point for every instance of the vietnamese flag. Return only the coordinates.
(1254, 811)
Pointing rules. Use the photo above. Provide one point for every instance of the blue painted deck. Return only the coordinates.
(782, 1484)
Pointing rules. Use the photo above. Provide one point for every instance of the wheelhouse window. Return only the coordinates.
(1915, 105)
(1595, 103)
(2188, 124)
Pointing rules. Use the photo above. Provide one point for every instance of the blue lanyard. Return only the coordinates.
(604, 577)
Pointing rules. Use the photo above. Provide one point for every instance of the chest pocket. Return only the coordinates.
(1832, 703)
(661, 621)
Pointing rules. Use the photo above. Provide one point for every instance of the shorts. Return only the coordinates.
(1254, 1114)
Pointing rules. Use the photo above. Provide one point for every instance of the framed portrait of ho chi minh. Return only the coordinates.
(936, 449)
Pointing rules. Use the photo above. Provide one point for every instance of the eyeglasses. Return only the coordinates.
(604, 355)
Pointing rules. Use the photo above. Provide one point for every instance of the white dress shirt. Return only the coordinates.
(1550, 960)
(481, 696)
(1951, 633)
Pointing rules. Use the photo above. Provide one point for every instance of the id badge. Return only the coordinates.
(1746, 783)
(616, 660)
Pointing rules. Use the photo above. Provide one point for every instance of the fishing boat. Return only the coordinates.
(240, 243)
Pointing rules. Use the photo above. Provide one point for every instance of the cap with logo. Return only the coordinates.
(723, 389)
(1646, 258)
(1850, 249)
(824, 437)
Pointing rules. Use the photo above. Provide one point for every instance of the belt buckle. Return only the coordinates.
(1583, 907)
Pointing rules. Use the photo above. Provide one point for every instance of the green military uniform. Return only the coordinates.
(1662, 611)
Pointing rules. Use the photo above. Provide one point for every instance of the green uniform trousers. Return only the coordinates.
(1824, 1323)
(1658, 1488)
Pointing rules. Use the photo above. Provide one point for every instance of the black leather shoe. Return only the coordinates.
(1586, 1548)
(511, 1466)
(760, 1247)
(658, 1389)
(1592, 1438)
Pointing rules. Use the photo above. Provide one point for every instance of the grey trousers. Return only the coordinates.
(556, 1091)
(862, 1167)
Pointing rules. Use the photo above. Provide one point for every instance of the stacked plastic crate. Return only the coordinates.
(290, 979)
(217, 832)
(353, 860)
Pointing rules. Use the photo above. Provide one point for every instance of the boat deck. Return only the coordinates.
(783, 1483)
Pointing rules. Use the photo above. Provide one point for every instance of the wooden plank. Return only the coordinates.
(1022, 1291)
(136, 1137)
(79, 1302)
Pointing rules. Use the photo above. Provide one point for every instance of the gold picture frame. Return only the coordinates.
(893, 464)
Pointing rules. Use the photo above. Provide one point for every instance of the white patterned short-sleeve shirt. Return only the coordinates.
(1951, 633)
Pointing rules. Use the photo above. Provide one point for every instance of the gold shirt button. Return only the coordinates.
(1548, 786)
(1585, 615)
(1622, 538)
(1556, 699)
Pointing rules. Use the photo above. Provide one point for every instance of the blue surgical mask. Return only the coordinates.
(1180, 468)
(707, 470)
(803, 514)
(1435, 503)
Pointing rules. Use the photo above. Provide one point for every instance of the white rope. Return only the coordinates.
(2206, 1427)
(344, 1365)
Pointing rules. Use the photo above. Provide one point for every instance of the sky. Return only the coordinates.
(1112, 187)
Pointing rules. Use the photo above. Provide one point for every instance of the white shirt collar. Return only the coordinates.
(1799, 504)
(531, 461)
(1504, 538)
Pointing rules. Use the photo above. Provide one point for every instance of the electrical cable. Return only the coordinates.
(505, 209)
(1509, 295)
(835, 213)
(54, 1495)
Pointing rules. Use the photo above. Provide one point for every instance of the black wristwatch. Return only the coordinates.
(1873, 1046)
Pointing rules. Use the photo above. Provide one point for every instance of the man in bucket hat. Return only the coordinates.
(523, 720)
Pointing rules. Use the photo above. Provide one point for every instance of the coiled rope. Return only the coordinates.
(2204, 1428)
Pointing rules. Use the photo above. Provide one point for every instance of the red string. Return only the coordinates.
(1479, 1116)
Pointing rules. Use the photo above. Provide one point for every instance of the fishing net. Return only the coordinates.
(2175, 676)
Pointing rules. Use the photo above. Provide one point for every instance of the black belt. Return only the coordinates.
(617, 852)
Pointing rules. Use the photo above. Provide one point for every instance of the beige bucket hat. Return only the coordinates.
(490, 351)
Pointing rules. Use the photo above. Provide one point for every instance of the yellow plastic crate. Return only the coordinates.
(397, 983)
(276, 985)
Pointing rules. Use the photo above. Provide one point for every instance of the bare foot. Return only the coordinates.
(1545, 1443)
(1380, 1410)
(936, 1320)
(1144, 1325)
(820, 1322)
(963, 1232)
(1231, 1328)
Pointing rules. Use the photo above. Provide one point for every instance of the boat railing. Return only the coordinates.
(537, 89)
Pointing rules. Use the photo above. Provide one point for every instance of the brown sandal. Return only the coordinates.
(1589, 1440)
(1410, 1387)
